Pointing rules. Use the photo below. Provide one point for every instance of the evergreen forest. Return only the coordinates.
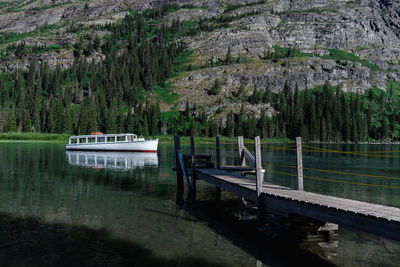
(116, 94)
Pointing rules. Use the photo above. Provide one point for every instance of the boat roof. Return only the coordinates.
(100, 135)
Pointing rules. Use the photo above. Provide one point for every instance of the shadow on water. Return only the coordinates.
(282, 251)
(31, 242)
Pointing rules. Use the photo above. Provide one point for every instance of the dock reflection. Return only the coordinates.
(112, 160)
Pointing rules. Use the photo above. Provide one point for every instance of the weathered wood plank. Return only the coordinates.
(249, 156)
(193, 166)
(299, 164)
(236, 169)
(183, 168)
(242, 159)
(179, 176)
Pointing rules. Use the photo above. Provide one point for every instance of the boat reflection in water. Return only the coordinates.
(112, 160)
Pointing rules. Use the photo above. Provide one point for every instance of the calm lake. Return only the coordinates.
(113, 209)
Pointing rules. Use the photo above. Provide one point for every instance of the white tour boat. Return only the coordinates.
(111, 142)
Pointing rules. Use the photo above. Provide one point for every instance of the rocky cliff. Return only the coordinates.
(353, 44)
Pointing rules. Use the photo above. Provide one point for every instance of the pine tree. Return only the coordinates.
(241, 91)
(216, 88)
(267, 95)
(59, 120)
(228, 58)
(230, 124)
(145, 130)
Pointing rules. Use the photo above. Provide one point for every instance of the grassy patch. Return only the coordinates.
(337, 54)
(231, 7)
(51, 6)
(34, 136)
(290, 52)
(334, 54)
(311, 10)
(11, 37)
(395, 85)
(168, 139)
(17, 8)
(165, 93)
(181, 62)
(359, 48)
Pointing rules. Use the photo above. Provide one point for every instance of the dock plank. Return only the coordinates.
(373, 218)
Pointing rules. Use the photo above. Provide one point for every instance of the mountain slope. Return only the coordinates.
(242, 59)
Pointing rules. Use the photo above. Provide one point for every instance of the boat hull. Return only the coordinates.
(136, 146)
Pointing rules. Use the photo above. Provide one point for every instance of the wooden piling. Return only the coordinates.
(299, 164)
(242, 159)
(218, 154)
(259, 169)
(179, 175)
(193, 170)
(259, 177)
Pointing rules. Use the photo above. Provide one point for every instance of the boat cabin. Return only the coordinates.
(104, 138)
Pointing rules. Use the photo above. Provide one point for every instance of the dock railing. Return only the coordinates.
(254, 168)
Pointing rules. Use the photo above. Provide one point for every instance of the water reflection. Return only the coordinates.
(112, 160)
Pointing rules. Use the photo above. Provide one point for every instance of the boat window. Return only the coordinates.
(101, 139)
(82, 140)
(129, 138)
(111, 139)
(91, 161)
(91, 139)
(121, 138)
(100, 159)
(74, 141)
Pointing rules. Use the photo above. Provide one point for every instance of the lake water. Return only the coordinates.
(118, 209)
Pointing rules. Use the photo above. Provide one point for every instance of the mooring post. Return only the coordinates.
(242, 159)
(259, 177)
(193, 171)
(179, 175)
(299, 164)
(218, 153)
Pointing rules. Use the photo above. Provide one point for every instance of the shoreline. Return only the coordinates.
(169, 139)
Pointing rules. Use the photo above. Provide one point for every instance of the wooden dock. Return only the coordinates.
(371, 218)
(367, 217)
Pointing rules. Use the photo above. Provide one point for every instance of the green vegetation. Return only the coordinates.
(328, 114)
(17, 7)
(50, 6)
(11, 37)
(34, 136)
(169, 139)
(337, 54)
(162, 139)
(334, 54)
(164, 93)
(216, 88)
(284, 52)
(231, 7)
(111, 96)
(393, 85)
(21, 50)
(311, 10)
(122, 93)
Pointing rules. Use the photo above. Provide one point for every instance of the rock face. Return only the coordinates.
(365, 34)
